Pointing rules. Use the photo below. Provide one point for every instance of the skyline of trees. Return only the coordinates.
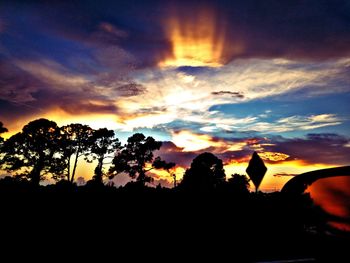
(44, 150)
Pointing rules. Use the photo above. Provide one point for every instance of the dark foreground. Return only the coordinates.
(152, 225)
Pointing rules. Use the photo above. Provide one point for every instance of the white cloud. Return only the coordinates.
(189, 96)
(293, 123)
(184, 95)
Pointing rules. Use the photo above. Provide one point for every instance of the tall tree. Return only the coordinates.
(32, 151)
(205, 174)
(136, 154)
(75, 141)
(103, 144)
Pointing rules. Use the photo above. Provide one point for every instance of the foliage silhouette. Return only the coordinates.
(238, 184)
(31, 152)
(205, 174)
(103, 143)
(75, 141)
(134, 157)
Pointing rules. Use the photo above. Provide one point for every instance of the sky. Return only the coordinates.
(228, 77)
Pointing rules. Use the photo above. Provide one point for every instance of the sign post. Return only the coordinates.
(256, 170)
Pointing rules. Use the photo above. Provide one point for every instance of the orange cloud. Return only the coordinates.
(273, 156)
(198, 39)
(191, 142)
(161, 175)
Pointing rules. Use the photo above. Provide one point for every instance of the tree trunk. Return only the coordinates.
(98, 171)
(142, 176)
(68, 172)
(35, 173)
(75, 163)
(35, 177)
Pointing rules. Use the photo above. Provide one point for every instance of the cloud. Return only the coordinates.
(76, 108)
(130, 90)
(314, 148)
(107, 62)
(172, 153)
(327, 149)
(112, 29)
(159, 31)
(229, 93)
(272, 156)
(297, 123)
(147, 98)
(16, 86)
(284, 157)
(193, 142)
(189, 97)
(284, 174)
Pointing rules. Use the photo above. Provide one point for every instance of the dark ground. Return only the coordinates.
(164, 225)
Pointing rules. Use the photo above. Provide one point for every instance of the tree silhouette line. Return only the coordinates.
(44, 149)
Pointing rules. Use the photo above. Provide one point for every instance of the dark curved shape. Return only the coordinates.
(299, 183)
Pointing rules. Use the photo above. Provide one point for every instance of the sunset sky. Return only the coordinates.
(229, 77)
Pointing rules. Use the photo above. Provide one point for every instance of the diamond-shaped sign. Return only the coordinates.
(256, 170)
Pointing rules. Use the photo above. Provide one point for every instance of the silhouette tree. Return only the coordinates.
(103, 144)
(238, 184)
(136, 154)
(75, 141)
(32, 151)
(205, 174)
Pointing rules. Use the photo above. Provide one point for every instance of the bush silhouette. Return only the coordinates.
(205, 174)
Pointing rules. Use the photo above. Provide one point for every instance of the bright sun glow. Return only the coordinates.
(196, 41)
(271, 182)
(191, 142)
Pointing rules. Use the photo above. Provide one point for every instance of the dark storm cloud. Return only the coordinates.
(313, 29)
(330, 149)
(16, 86)
(34, 88)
